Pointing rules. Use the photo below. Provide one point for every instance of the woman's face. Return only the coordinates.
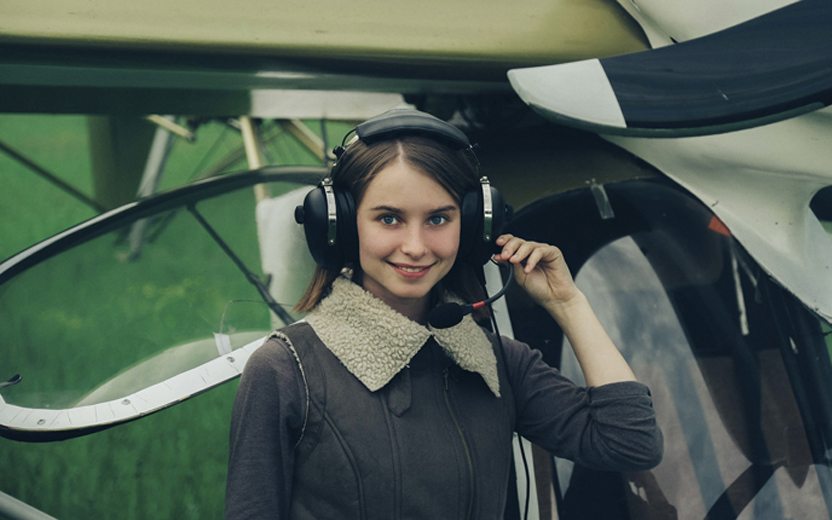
(408, 236)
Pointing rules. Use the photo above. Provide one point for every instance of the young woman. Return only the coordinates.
(363, 410)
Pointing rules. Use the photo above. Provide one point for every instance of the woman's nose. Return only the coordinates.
(413, 244)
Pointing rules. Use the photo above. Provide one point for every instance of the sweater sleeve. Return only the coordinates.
(266, 422)
(610, 427)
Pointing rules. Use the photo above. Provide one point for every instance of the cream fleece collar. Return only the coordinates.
(374, 342)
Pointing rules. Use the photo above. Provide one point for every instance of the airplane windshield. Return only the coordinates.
(739, 371)
(735, 441)
(149, 312)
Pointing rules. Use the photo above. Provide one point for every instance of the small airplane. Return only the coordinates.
(678, 154)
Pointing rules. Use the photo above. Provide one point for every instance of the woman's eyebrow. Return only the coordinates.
(443, 209)
(391, 209)
(383, 207)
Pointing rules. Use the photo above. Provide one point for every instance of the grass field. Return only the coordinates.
(71, 322)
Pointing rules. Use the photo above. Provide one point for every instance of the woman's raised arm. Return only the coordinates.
(542, 272)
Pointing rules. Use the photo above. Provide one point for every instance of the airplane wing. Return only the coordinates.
(206, 57)
(436, 36)
(766, 69)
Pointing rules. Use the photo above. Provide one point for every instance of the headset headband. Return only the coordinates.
(406, 121)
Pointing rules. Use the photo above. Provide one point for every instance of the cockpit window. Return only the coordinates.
(735, 442)
(190, 276)
(734, 363)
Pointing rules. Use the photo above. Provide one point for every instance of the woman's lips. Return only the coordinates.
(411, 271)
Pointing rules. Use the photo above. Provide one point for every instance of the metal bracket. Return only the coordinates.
(487, 210)
(602, 201)
(331, 211)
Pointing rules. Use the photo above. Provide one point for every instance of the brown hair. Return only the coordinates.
(455, 170)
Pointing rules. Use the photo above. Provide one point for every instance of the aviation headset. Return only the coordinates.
(328, 215)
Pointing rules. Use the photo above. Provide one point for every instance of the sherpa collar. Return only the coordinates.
(374, 342)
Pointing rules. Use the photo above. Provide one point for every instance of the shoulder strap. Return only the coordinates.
(288, 342)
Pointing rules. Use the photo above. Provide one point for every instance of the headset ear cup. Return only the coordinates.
(347, 229)
(473, 248)
(471, 223)
(316, 229)
(315, 224)
(501, 217)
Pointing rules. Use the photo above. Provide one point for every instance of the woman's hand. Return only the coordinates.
(540, 269)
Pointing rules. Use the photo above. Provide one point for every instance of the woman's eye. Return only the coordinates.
(388, 220)
(437, 220)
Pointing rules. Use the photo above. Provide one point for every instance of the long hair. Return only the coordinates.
(454, 170)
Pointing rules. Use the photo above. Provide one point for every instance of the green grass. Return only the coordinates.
(109, 313)
(168, 465)
(30, 207)
(69, 323)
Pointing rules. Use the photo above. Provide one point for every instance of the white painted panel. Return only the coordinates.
(578, 90)
(322, 104)
(283, 251)
(82, 416)
(8, 412)
(143, 402)
(760, 182)
(60, 421)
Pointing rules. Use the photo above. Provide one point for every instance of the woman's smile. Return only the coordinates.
(411, 271)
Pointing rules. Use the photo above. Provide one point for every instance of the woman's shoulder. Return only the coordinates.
(513, 348)
(274, 373)
(276, 354)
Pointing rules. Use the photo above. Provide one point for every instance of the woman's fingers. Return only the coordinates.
(532, 260)
(510, 245)
(516, 251)
(522, 252)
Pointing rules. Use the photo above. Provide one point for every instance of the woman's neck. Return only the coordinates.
(415, 309)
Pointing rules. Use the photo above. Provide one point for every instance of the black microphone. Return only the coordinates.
(449, 314)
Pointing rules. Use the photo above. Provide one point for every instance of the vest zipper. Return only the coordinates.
(461, 433)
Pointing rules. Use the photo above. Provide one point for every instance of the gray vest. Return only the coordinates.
(434, 443)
